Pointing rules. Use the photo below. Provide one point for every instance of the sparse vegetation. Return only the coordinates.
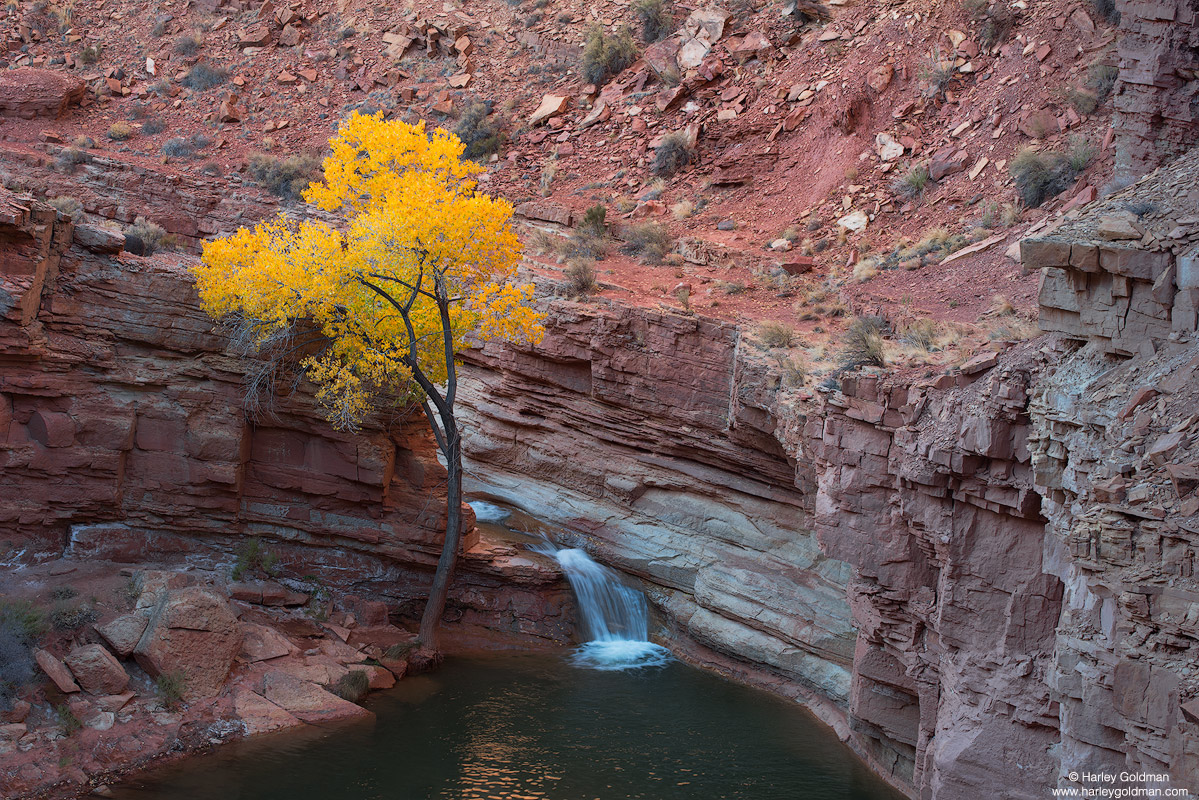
(912, 183)
(70, 157)
(144, 238)
(184, 147)
(189, 45)
(67, 719)
(1106, 9)
(170, 687)
(1080, 154)
(674, 152)
(580, 277)
(606, 55)
(776, 334)
(203, 76)
(67, 616)
(1101, 79)
(937, 74)
(862, 344)
(286, 178)
(1040, 175)
(254, 558)
(655, 18)
(479, 132)
(90, 54)
(549, 170)
(119, 131)
(67, 206)
(920, 334)
(352, 686)
(21, 626)
(648, 240)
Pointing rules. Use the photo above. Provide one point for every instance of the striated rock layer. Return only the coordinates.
(646, 432)
(123, 437)
(955, 625)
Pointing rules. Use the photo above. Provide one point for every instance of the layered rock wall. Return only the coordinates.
(123, 436)
(1157, 104)
(645, 431)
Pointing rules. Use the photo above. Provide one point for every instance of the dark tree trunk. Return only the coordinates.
(428, 654)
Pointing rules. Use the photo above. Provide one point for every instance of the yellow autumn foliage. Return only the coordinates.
(421, 253)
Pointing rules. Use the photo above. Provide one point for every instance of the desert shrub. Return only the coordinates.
(912, 183)
(674, 152)
(1107, 10)
(67, 719)
(594, 222)
(655, 19)
(648, 240)
(794, 371)
(253, 557)
(188, 45)
(185, 147)
(153, 126)
(1040, 176)
(937, 74)
(120, 131)
(352, 686)
(776, 334)
(921, 334)
(997, 21)
(479, 132)
(286, 178)
(70, 157)
(580, 277)
(67, 616)
(1083, 101)
(64, 593)
(21, 626)
(1080, 154)
(605, 56)
(204, 76)
(67, 206)
(212, 169)
(1101, 79)
(170, 686)
(862, 344)
(89, 54)
(399, 650)
(144, 238)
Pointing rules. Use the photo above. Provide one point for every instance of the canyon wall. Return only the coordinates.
(123, 436)
(1157, 102)
(646, 432)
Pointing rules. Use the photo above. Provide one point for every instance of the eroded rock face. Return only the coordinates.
(928, 491)
(29, 92)
(191, 631)
(1116, 449)
(643, 430)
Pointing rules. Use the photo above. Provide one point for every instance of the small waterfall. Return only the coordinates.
(488, 512)
(615, 617)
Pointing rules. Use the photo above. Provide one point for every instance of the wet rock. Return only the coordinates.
(259, 714)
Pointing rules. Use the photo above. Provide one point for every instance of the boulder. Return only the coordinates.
(123, 633)
(260, 643)
(99, 240)
(551, 106)
(707, 23)
(57, 671)
(96, 670)
(307, 701)
(29, 93)
(193, 631)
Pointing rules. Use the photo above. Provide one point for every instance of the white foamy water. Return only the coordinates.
(614, 616)
(488, 512)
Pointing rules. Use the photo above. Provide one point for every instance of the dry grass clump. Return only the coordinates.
(606, 55)
(674, 152)
(650, 241)
(862, 344)
(286, 178)
(776, 334)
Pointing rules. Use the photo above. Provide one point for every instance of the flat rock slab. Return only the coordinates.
(261, 643)
(57, 671)
(307, 701)
(259, 714)
(123, 633)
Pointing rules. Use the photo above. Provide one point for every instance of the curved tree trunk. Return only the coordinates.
(428, 654)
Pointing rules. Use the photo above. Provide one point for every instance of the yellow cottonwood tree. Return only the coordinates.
(374, 310)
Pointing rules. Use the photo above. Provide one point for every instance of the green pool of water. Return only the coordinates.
(533, 726)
